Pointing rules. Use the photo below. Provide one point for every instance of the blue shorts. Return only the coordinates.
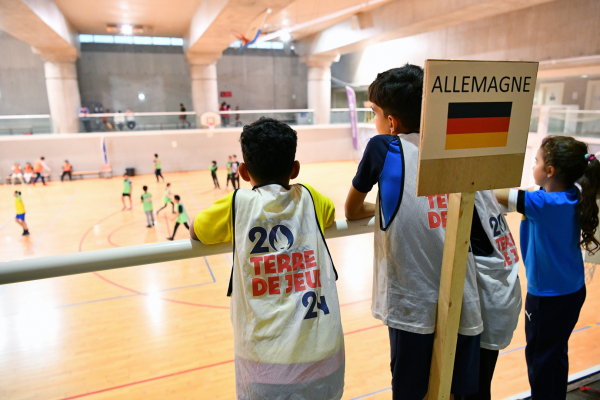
(411, 362)
(21, 217)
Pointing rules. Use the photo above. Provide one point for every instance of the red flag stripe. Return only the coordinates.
(477, 125)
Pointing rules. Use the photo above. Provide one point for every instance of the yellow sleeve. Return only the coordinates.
(215, 224)
(325, 208)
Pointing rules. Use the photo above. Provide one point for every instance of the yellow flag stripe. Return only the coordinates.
(476, 140)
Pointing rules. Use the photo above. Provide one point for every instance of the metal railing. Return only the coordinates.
(149, 121)
(25, 124)
(100, 260)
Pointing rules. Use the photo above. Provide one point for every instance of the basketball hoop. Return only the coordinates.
(254, 31)
(210, 120)
(239, 36)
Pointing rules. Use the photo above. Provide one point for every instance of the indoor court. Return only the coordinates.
(163, 331)
(102, 301)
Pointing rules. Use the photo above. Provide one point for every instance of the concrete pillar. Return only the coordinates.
(63, 92)
(205, 92)
(319, 86)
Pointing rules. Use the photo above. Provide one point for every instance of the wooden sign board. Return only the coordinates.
(474, 125)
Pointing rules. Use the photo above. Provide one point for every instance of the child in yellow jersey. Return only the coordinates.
(288, 338)
(20, 218)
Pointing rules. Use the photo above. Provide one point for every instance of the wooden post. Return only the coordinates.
(452, 282)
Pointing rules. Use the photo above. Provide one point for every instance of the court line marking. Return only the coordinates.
(354, 302)
(574, 331)
(92, 227)
(363, 329)
(572, 378)
(135, 292)
(6, 224)
(183, 372)
(515, 397)
(52, 223)
(371, 394)
(149, 380)
(190, 192)
(161, 298)
(60, 306)
(210, 270)
(119, 228)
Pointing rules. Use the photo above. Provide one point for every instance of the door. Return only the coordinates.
(592, 96)
(551, 93)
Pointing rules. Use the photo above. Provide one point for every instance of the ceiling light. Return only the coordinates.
(142, 96)
(285, 36)
(126, 29)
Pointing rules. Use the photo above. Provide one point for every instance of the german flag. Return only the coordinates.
(477, 125)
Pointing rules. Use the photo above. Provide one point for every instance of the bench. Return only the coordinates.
(82, 173)
(46, 176)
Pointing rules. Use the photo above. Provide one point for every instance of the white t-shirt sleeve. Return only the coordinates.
(513, 195)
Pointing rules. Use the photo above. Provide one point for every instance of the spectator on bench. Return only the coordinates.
(16, 173)
(67, 169)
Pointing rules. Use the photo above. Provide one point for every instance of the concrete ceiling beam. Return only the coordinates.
(209, 33)
(41, 24)
(403, 18)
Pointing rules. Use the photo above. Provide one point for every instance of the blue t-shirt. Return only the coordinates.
(382, 163)
(550, 236)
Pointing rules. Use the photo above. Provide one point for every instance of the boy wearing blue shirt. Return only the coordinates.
(409, 242)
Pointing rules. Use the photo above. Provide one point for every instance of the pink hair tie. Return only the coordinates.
(590, 157)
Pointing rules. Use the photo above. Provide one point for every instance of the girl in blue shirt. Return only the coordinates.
(559, 221)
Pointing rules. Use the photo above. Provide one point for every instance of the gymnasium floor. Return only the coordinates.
(162, 331)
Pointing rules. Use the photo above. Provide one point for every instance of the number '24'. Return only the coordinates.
(311, 313)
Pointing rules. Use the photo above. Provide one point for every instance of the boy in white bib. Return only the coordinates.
(409, 242)
(288, 338)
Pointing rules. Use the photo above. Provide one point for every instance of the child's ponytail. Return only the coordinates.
(572, 163)
(590, 184)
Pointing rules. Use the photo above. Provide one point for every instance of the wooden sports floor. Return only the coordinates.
(162, 331)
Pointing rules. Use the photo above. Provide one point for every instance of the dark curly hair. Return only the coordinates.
(269, 149)
(399, 92)
(568, 157)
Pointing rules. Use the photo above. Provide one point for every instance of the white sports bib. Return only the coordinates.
(497, 276)
(288, 336)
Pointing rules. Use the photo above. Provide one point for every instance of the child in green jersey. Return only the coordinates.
(167, 199)
(182, 217)
(229, 177)
(126, 190)
(213, 172)
(147, 204)
(20, 218)
(158, 168)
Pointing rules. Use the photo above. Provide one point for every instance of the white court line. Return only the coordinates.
(193, 198)
(51, 223)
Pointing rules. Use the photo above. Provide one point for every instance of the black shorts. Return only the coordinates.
(411, 362)
(127, 195)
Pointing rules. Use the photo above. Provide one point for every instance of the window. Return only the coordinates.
(145, 40)
(140, 40)
(124, 39)
(86, 38)
(104, 39)
(161, 41)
